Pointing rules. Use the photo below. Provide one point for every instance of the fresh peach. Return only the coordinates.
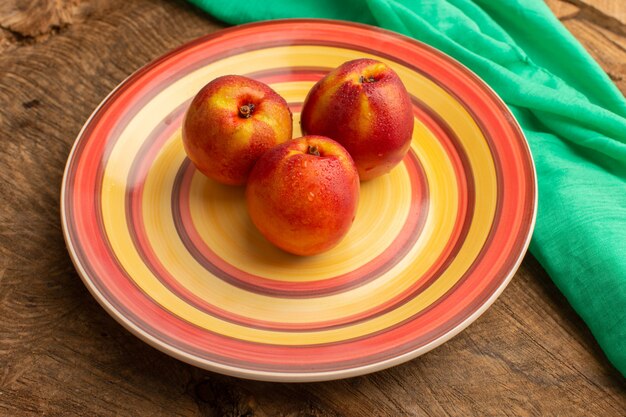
(363, 105)
(302, 195)
(230, 123)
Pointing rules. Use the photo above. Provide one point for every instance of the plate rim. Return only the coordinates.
(291, 376)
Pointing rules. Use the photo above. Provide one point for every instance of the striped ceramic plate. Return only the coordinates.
(176, 260)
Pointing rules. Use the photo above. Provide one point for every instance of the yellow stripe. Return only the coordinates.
(393, 188)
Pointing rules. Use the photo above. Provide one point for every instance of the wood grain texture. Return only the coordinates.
(60, 352)
(610, 9)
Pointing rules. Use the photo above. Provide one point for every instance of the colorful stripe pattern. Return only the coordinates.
(175, 258)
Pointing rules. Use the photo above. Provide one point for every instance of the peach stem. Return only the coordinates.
(246, 110)
(313, 150)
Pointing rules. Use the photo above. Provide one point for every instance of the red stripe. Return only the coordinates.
(235, 276)
(390, 256)
(251, 282)
(134, 201)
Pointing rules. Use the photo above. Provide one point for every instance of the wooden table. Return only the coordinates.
(62, 354)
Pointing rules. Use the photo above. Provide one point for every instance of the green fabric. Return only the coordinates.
(573, 117)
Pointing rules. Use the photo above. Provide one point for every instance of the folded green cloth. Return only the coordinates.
(572, 114)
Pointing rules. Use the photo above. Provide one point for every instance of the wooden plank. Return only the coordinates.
(562, 9)
(60, 352)
(611, 9)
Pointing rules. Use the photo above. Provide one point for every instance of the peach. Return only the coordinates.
(302, 195)
(363, 105)
(230, 123)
